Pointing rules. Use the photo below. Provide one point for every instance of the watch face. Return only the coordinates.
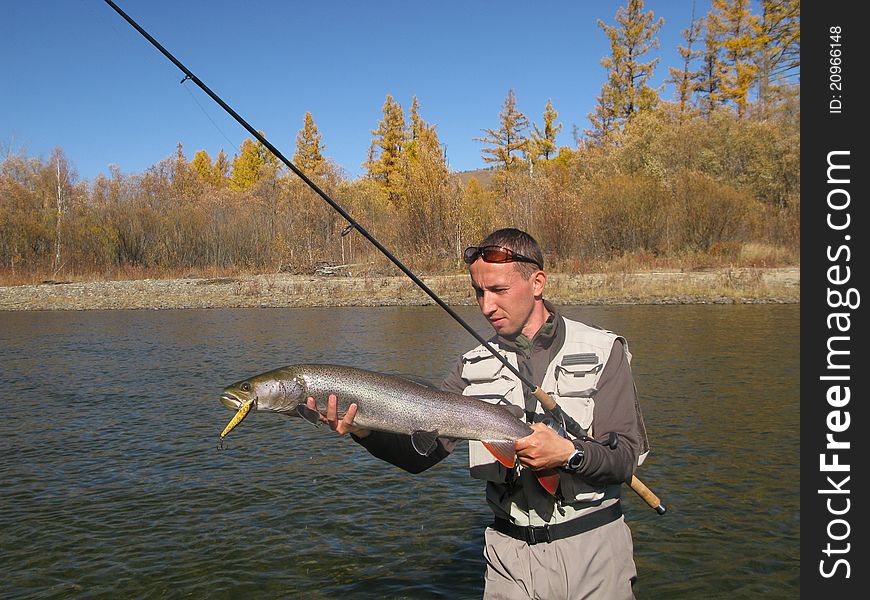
(576, 459)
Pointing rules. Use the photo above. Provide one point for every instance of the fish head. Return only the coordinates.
(275, 391)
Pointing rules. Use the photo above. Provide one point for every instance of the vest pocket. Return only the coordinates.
(575, 387)
(577, 380)
(575, 489)
(494, 392)
(481, 368)
(579, 409)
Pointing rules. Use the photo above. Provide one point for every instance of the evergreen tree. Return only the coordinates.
(510, 137)
(626, 91)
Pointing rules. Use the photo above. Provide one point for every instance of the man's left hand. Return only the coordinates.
(543, 448)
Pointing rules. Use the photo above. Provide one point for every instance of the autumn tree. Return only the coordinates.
(509, 139)
(708, 82)
(221, 169)
(181, 175)
(779, 59)
(737, 32)
(309, 147)
(478, 214)
(202, 166)
(64, 177)
(253, 164)
(685, 80)
(544, 139)
(385, 162)
(417, 125)
(626, 91)
(316, 218)
(426, 180)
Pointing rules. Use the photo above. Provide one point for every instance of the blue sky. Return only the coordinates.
(75, 75)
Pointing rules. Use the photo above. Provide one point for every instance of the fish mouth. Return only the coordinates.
(231, 400)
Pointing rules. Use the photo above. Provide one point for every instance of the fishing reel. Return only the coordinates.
(558, 425)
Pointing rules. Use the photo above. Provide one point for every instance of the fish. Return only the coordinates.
(387, 403)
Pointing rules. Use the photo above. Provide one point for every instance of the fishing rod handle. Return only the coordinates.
(544, 398)
(648, 496)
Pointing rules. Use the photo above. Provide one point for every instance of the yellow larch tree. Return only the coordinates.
(626, 91)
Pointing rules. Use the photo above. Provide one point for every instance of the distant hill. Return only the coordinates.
(483, 176)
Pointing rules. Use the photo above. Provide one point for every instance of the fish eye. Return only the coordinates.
(246, 387)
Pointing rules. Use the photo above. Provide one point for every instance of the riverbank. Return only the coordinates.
(722, 286)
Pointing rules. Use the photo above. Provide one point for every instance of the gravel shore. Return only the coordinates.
(724, 286)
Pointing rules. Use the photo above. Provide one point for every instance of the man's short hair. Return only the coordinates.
(521, 242)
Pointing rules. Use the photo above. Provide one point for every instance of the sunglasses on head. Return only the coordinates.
(496, 254)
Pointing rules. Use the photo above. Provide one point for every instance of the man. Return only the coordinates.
(574, 544)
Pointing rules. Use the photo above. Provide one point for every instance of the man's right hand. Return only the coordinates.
(343, 425)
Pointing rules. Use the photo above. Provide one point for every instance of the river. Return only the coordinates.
(112, 485)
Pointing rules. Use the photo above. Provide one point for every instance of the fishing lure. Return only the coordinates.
(243, 411)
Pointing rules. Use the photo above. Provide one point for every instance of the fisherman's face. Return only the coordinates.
(506, 298)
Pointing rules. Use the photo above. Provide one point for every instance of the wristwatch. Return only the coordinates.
(576, 459)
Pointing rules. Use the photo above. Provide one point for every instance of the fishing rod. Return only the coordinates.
(547, 402)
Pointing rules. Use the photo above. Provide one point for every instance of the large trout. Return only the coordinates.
(385, 403)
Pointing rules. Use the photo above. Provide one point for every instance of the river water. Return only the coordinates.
(111, 484)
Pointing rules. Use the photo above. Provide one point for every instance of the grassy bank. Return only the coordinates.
(719, 285)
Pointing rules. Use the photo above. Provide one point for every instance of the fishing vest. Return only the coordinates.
(571, 379)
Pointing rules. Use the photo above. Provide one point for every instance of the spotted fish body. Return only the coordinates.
(386, 403)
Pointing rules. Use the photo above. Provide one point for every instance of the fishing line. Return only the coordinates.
(207, 116)
(547, 402)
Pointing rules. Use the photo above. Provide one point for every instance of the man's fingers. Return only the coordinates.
(332, 409)
(343, 425)
(351, 413)
(346, 423)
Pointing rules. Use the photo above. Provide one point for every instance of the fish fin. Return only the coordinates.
(549, 480)
(424, 442)
(309, 414)
(503, 450)
(515, 410)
